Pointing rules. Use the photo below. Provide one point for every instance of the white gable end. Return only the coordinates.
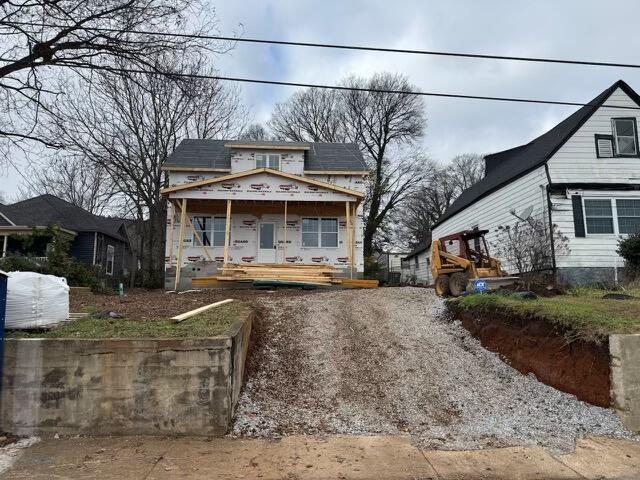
(576, 161)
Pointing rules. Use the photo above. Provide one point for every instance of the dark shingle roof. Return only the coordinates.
(48, 209)
(419, 248)
(209, 153)
(503, 167)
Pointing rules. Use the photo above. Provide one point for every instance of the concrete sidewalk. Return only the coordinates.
(303, 457)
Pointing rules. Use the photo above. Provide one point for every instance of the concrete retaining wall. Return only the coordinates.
(123, 386)
(625, 378)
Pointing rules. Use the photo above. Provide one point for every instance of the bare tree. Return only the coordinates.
(313, 115)
(77, 181)
(129, 125)
(386, 125)
(79, 35)
(255, 131)
(443, 185)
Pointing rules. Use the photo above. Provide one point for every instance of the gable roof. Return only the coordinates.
(216, 154)
(248, 173)
(505, 166)
(48, 209)
(419, 248)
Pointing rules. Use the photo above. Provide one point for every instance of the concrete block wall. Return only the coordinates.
(624, 351)
(123, 386)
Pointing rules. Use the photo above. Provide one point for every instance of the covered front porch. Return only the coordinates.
(264, 231)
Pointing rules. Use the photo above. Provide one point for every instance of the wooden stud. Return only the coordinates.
(172, 209)
(352, 256)
(191, 313)
(348, 225)
(183, 213)
(284, 248)
(227, 233)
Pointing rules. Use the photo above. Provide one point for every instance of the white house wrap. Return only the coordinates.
(263, 202)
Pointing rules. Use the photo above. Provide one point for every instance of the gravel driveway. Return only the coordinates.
(385, 362)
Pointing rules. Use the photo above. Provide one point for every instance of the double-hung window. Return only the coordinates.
(268, 160)
(628, 211)
(598, 215)
(625, 136)
(320, 232)
(211, 230)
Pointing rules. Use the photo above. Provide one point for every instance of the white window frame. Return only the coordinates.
(111, 257)
(211, 231)
(268, 157)
(615, 136)
(614, 214)
(319, 232)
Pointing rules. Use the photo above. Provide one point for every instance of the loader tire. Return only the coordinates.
(458, 284)
(442, 285)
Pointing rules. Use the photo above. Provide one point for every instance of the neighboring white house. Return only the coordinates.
(287, 203)
(416, 267)
(582, 175)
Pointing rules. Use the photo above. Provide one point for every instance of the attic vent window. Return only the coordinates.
(604, 146)
(625, 133)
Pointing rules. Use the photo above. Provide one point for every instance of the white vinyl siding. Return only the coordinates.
(577, 162)
(594, 250)
(494, 210)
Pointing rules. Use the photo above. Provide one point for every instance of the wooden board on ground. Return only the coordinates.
(359, 283)
(197, 311)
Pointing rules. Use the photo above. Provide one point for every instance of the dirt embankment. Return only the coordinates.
(533, 345)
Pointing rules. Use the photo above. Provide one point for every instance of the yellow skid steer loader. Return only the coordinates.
(458, 260)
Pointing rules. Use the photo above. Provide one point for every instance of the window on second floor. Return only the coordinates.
(268, 160)
(625, 135)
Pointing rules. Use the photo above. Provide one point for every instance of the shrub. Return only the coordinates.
(629, 249)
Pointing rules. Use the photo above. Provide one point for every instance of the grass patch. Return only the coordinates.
(582, 311)
(208, 324)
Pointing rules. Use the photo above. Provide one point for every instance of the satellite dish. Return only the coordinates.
(526, 213)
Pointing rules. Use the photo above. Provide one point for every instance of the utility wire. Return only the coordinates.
(336, 87)
(346, 47)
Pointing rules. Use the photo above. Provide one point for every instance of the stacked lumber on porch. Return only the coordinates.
(317, 274)
(320, 275)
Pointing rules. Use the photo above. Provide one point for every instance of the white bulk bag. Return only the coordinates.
(35, 300)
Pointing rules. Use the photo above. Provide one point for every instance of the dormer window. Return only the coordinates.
(268, 160)
(625, 135)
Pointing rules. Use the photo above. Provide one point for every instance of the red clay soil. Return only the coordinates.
(534, 346)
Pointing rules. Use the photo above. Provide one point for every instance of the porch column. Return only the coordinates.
(227, 233)
(183, 214)
(284, 248)
(349, 233)
(352, 246)
(4, 245)
(172, 213)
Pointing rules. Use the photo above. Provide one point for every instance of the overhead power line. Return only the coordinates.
(348, 47)
(337, 87)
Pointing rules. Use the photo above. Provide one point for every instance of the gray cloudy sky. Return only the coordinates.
(581, 29)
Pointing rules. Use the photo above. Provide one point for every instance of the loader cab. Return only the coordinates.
(470, 245)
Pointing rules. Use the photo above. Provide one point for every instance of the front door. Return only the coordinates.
(267, 242)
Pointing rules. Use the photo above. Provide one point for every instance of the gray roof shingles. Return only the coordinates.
(209, 153)
(506, 166)
(48, 209)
